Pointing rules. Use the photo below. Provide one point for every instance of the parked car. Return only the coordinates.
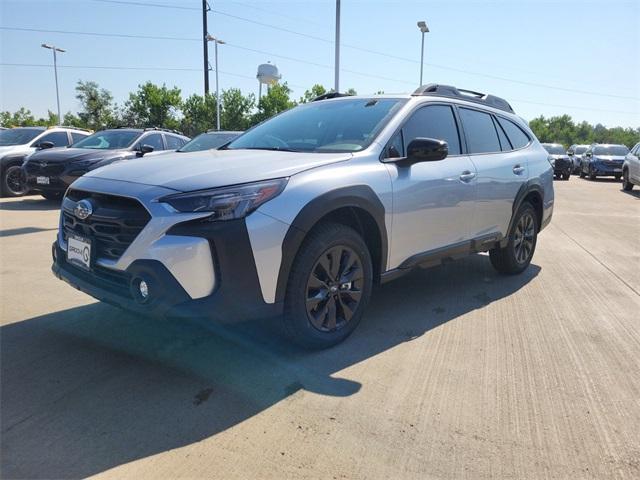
(603, 160)
(51, 172)
(575, 152)
(17, 143)
(209, 140)
(631, 169)
(302, 214)
(561, 162)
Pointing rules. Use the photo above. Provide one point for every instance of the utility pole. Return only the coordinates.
(336, 86)
(55, 49)
(205, 46)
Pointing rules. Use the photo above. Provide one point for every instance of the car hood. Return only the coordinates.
(190, 171)
(14, 149)
(618, 158)
(66, 155)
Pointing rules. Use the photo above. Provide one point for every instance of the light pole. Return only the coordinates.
(216, 41)
(336, 85)
(422, 25)
(55, 71)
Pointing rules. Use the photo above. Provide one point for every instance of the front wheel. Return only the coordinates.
(592, 175)
(329, 287)
(13, 181)
(516, 256)
(618, 177)
(626, 184)
(566, 176)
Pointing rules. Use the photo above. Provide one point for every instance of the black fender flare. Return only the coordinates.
(531, 185)
(356, 196)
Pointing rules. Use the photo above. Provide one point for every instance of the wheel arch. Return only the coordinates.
(357, 207)
(533, 193)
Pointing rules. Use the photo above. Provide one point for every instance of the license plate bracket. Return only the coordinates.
(79, 251)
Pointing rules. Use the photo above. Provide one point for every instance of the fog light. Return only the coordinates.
(144, 289)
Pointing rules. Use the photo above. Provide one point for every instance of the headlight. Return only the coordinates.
(228, 203)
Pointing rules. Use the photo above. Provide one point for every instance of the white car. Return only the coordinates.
(631, 168)
(17, 143)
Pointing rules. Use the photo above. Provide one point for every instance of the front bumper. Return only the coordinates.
(605, 170)
(57, 183)
(236, 297)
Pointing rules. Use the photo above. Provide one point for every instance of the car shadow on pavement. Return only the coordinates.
(90, 388)
(30, 204)
(632, 193)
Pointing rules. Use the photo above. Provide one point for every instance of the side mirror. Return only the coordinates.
(44, 145)
(142, 149)
(427, 150)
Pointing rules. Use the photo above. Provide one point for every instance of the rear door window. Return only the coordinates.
(76, 137)
(504, 141)
(173, 143)
(480, 131)
(154, 140)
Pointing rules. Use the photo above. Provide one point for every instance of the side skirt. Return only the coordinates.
(438, 256)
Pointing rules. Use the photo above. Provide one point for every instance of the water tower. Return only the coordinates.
(267, 74)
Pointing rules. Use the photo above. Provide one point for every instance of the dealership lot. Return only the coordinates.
(454, 372)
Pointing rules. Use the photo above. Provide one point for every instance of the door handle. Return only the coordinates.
(518, 170)
(467, 176)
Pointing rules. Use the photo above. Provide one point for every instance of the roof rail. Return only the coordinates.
(160, 129)
(329, 95)
(468, 95)
(70, 126)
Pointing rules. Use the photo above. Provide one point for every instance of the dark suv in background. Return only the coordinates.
(575, 152)
(50, 172)
(603, 160)
(562, 164)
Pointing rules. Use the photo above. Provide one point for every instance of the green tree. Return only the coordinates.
(153, 106)
(275, 101)
(21, 118)
(351, 91)
(97, 109)
(312, 93)
(199, 114)
(235, 113)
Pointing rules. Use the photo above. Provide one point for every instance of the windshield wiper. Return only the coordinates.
(271, 149)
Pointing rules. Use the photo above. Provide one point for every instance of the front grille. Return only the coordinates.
(44, 168)
(562, 163)
(113, 225)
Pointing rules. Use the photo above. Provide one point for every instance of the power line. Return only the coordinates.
(375, 52)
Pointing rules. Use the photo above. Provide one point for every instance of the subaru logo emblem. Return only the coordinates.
(43, 164)
(83, 209)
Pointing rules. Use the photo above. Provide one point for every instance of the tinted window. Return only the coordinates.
(173, 143)
(154, 140)
(504, 141)
(207, 141)
(517, 137)
(579, 150)
(76, 137)
(59, 139)
(343, 125)
(434, 121)
(18, 136)
(395, 149)
(480, 132)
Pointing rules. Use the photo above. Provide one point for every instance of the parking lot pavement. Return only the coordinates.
(454, 372)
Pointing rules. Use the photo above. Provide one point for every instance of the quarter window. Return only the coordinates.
(434, 121)
(517, 137)
(480, 132)
(59, 139)
(504, 141)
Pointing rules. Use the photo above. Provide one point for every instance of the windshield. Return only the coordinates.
(580, 150)
(108, 140)
(325, 126)
(618, 150)
(207, 141)
(18, 136)
(554, 149)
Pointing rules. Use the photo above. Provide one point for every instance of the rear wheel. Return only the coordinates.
(626, 184)
(592, 175)
(329, 287)
(52, 195)
(516, 256)
(13, 181)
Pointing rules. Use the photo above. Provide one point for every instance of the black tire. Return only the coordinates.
(13, 181)
(627, 186)
(581, 173)
(592, 176)
(517, 255)
(313, 289)
(52, 195)
(618, 177)
(566, 176)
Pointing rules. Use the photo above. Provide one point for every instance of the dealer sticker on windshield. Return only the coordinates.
(79, 252)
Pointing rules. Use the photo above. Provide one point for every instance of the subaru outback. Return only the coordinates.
(300, 216)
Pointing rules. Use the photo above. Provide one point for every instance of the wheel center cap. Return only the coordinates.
(333, 289)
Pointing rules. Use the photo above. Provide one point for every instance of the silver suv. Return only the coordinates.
(631, 169)
(300, 216)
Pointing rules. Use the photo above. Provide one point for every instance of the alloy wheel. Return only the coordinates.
(524, 238)
(334, 288)
(14, 180)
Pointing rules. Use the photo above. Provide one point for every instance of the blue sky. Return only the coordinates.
(589, 52)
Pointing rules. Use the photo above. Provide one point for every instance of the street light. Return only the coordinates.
(55, 71)
(422, 25)
(211, 38)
